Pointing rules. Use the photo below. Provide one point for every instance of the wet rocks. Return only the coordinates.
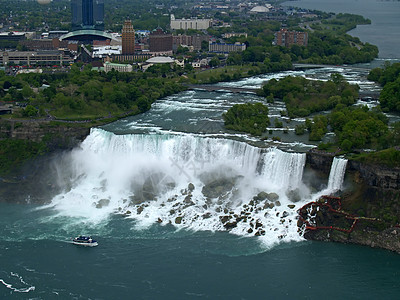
(207, 215)
(101, 203)
(273, 197)
(153, 185)
(190, 187)
(266, 196)
(268, 205)
(218, 187)
(294, 195)
(261, 196)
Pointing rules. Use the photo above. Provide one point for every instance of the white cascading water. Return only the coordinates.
(336, 175)
(190, 182)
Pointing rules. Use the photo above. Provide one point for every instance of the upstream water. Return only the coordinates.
(183, 209)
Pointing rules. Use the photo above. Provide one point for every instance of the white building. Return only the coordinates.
(117, 67)
(200, 63)
(226, 48)
(185, 24)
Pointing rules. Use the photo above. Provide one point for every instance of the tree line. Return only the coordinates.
(304, 97)
(389, 78)
(84, 93)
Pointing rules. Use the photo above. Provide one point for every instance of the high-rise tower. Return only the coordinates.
(87, 14)
(128, 38)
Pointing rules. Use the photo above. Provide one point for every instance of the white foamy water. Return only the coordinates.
(188, 181)
(177, 165)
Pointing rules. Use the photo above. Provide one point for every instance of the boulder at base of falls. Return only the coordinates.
(266, 196)
(261, 196)
(191, 187)
(268, 205)
(230, 225)
(218, 187)
(272, 196)
(294, 195)
(178, 220)
(154, 184)
(101, 203)
(140, 210)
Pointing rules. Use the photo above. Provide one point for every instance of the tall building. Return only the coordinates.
(160, 42)
(87, 14)
(128, 38)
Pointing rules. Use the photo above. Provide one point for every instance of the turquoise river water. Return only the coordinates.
(155, 190)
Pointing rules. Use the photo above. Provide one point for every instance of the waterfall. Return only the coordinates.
(336, 175)
(284, 170)
(189, 181)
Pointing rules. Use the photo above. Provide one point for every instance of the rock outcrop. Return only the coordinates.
(57, 137)
(372, 197)
(377, 175)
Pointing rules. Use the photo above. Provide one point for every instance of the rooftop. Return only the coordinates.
(160, 60)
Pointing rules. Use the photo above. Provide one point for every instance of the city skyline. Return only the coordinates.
(87, 14)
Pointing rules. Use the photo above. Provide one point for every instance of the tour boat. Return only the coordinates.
(84, 241)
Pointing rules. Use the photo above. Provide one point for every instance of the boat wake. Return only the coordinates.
(17, 280)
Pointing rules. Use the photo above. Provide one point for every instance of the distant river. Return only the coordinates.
(385, 16)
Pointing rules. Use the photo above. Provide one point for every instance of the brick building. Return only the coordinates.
(189, 40)
(160, 42)
(287, 38)
(128, 38)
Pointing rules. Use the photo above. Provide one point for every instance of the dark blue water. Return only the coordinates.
(38, 261)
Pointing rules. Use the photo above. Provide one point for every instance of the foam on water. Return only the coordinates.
(18, 284)
(192, 182)
(185, 169)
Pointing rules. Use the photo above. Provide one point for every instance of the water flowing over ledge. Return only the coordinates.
(336, 176)
(188, 181)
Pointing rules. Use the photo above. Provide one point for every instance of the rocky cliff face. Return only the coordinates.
(373, 175)
(36, 177)
(65, 136)
(372, 198)
(319, 160)
(376, 175)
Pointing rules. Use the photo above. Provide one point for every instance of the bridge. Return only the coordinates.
(221, 89)
(315, 66)
(365, 95)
